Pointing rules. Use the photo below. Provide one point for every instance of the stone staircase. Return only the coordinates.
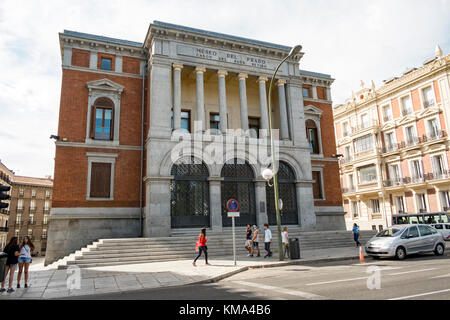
(109, 252)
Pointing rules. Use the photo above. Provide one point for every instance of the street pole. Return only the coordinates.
(294, 50)
(234, 241)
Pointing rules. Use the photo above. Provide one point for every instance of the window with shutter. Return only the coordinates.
(100, 180)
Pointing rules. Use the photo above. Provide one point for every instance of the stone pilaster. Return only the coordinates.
(263, 103)
(223, 100)
(177, 95)
(199, 71)
(284, 127)
(243, 100)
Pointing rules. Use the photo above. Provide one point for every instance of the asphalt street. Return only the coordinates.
(417, 277)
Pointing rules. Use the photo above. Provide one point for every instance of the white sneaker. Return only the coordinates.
(249, 255)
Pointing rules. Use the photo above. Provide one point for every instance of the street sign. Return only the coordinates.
(233, 214)
(233, 205)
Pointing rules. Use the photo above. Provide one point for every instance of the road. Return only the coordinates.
(418, 277)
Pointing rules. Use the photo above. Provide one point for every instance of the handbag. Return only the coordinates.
(196, 246)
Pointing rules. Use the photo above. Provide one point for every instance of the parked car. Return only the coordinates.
(402, 240)
(444, 229)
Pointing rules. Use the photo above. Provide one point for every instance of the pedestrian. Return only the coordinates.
(200, 246)
(13, 252)
(356, 234)
(26, 248)
(285, 240)
(255, 241)
(248, 240)
(267, 240)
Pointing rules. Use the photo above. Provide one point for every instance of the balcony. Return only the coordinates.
(346, 160)
(387, 118)
(31, 222)
(44, 236)
(348, 190)
(393, 182)
(32, 209)
(364, 126)
(4, 229)
(5, 178)
(429, 104)
(414, 141)
(444, 174)
(5, 211)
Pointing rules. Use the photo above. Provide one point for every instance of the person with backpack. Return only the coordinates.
(26, 248)
(356, 234)
(200, 246)
(13, 252)
(255, 241)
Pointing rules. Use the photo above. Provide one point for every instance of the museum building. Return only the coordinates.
(126, 107)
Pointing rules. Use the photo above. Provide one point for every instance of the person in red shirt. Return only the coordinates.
(201, 246)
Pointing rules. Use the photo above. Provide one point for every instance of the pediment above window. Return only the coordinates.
(313, 111)
(105, 85)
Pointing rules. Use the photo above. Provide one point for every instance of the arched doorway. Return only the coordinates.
(189, 201)
(238, 184)
(287, 193)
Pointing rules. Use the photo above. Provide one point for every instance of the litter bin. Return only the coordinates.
(294, 248)
(3, 257)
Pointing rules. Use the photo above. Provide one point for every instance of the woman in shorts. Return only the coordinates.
(26, 248)
(13, 252)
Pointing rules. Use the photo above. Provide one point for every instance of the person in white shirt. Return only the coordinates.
(26, 249)
(267, 240)
(285, 240)
(255, 241)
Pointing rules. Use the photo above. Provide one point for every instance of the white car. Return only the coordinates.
(444, 229)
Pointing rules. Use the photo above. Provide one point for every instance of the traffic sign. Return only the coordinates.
(233, 215)
(233, 205)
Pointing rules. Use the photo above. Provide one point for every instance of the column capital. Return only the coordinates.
(262, 79)
(222, 73)
(200, 69)
(242, 76)
(178, 66)
(281, 82)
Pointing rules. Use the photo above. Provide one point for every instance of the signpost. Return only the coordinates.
(233, 212)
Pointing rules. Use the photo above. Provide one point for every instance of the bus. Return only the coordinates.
(423, 218)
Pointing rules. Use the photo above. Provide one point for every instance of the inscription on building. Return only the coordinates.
(225, 56)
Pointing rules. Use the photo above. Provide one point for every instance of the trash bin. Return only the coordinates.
(294, 248)
(3, 257)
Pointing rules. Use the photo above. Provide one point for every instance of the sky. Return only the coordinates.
(352, 40)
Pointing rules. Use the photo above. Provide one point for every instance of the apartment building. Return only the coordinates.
(393, 146)
(5, 180)
(31, 200)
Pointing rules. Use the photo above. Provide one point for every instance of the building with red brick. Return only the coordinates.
(395, 146)
(154, 137)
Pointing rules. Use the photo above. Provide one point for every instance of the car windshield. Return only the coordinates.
(391, 232)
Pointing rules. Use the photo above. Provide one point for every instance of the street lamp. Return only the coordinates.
(269, 174)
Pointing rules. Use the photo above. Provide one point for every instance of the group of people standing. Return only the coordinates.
(17, 255)
(251, 243)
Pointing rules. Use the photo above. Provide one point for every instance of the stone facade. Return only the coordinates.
(181, 72)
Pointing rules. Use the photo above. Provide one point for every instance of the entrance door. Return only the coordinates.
(189, 201)
(238, 184)
(287, 193)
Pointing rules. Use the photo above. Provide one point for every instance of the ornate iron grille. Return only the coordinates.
(238, 184)
(287, 193)
(189, 201)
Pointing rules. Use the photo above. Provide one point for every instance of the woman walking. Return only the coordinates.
(13, 252)
(201, 246)
(356, 234)
(26, 248)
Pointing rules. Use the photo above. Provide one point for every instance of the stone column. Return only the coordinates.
(261, 204)
(215, 200)
(328, 93)
(200, 97)
(177, 95)
(284, 128)
(263, 103)
(157, 208)
(243, 100)
(222, 101)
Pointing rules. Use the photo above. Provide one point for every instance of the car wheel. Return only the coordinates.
(439, 251)
(400, 254)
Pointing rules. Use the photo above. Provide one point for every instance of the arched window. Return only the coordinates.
(238, 184)
(102, 119)
(287, 193)
(312, 136)
(189, 204)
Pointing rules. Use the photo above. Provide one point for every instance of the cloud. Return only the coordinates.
(351, 40)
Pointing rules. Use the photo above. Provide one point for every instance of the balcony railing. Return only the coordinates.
(31, 222)
(4, 211)
(345, 160)
(365, 125)
(4, 229)
(387, 118)
(414, 141)
(348, 190)
(445, 174)
(5, 178)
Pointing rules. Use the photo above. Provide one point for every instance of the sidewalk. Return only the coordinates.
(52, 283)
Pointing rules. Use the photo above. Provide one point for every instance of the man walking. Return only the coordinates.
(356, 234)
(267, 240)
(255, 241)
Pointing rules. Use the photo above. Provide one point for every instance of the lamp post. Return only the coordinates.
(271, 173)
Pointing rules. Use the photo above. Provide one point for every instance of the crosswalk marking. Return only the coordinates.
(297, 293)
